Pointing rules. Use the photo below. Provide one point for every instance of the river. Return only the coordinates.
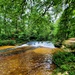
(32, 58)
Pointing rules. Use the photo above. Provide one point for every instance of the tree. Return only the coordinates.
(66, 25)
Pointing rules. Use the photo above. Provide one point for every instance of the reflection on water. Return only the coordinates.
(27, 61)
(40, 43)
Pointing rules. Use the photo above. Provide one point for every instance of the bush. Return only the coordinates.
(64, 62)
(7, 42)
(3, 36)
(6, 36)
(63, 57)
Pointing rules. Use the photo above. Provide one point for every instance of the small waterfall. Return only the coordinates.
(47, 44)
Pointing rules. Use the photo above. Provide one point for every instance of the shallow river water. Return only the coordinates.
(26, 60)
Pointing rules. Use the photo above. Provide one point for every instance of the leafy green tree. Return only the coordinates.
(66, 25)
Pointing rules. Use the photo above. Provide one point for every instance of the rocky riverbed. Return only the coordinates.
(26, 60)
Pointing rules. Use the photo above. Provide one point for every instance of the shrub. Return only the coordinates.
(7, 42)
(3, 36)
(65, 62)
(63, 57)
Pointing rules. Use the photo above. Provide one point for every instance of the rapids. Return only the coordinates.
(47, 44)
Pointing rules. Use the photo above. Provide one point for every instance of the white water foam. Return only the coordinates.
(39, 44)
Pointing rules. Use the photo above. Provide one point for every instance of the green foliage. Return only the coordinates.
(66, 26)
(3, 36)
(26, 20)
(63, 57)
(7, 42)
(65, 62)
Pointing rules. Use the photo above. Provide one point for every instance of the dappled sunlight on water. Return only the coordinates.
(32, 61)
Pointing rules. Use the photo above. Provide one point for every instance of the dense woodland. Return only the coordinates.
(26, 20)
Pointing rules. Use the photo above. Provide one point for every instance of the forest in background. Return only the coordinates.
(45, 20)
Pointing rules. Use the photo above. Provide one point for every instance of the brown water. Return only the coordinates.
(27, 61)
(5, 47)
